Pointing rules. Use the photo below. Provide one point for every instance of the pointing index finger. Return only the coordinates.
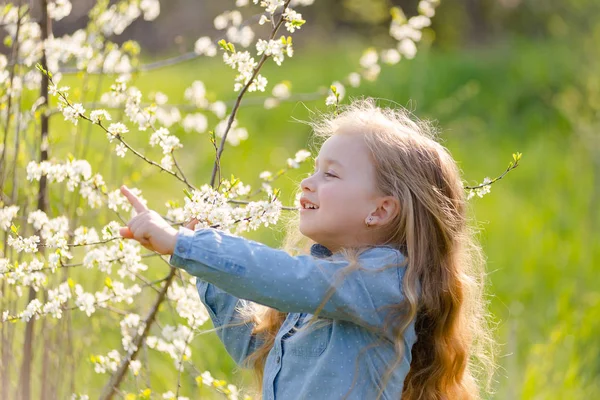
(133, 199)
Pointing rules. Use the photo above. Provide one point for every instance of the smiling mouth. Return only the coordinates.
(307, 205)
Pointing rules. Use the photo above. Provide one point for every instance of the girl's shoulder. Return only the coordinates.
(382, 255)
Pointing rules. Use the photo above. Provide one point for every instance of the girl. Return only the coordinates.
(388, 304)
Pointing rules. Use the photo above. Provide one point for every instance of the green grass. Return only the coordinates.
(539, 224)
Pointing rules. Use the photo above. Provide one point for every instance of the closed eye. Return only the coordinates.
(329, 175)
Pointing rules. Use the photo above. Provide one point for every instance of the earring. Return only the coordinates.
(368, 222)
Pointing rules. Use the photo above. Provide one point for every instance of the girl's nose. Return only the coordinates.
(307, 184)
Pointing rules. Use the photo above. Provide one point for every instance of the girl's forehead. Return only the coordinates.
(340, 147)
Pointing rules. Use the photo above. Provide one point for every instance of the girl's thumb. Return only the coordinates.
(126, 232)
(192, 223)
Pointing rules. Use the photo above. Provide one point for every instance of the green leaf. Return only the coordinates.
(187, 193)
(14, 229)
(108, 282)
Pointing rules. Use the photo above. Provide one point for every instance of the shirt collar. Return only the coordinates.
(320, 251)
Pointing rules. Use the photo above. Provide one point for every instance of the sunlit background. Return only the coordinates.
(497, 76)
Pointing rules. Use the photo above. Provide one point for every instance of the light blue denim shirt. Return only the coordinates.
(317, 363)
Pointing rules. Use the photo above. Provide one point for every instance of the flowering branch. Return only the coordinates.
(239, 100)
(115, 380)
(484, 188)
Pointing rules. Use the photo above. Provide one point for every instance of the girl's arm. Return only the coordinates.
(256, 272)
(228, 322)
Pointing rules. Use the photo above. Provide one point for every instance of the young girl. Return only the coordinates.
(388, 304)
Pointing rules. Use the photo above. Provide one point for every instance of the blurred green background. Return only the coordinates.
(498, 76)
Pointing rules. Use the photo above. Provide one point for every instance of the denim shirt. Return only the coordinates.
(329, 362)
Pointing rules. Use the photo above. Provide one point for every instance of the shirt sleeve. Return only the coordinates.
(234, 332)
(253, 271)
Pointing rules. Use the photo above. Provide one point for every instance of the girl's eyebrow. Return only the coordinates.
(329, 161)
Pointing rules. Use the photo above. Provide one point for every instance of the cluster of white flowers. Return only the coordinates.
(108, 363)
(211, 208)
(256, 214)
(85, 301)
(235, 135)
(168, 143)
(270, 5)
(115, 130)
(187, 303)
(125, 253)
(196, 94)
(175, 213)
(6, 216)
(30, 45)
(205, 46)
(245, 64)
(482, 191)
(407, 32)
(117, 293)
(234, 188)
(300, 157)
(35, 309)
(195, 122)
(25, 245)
(142, 118)
(71, 112)
(58, 9)
(231, 391)
(278, 49)
(76, 173)
(171, 396)
(97, 116)
(293, 20)
(131, 326)
(23, 274)
(116, 18)
(174, 342)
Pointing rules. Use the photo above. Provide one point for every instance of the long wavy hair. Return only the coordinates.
(443, 284)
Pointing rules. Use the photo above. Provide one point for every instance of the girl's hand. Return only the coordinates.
(148, 227)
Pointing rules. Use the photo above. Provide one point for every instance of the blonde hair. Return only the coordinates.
(443, 283)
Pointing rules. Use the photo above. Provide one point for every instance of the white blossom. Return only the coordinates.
(426, 8)
(281, 90)
(219, 108)
(116, 129)
(121, 149)
(205, 46)
(98, 116)
(354, 79)
(369, 58)
(407, 48)
(6, 216)
(293, 20)
(58, 9)
(150, 8)
(73, 112)
(196, 94)
(243, 36)
(195, 122)
(390, 56)
(85, 301)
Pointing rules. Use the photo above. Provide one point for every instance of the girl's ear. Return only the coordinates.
(387, 209)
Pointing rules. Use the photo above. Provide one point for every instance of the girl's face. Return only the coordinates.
(342, 190)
